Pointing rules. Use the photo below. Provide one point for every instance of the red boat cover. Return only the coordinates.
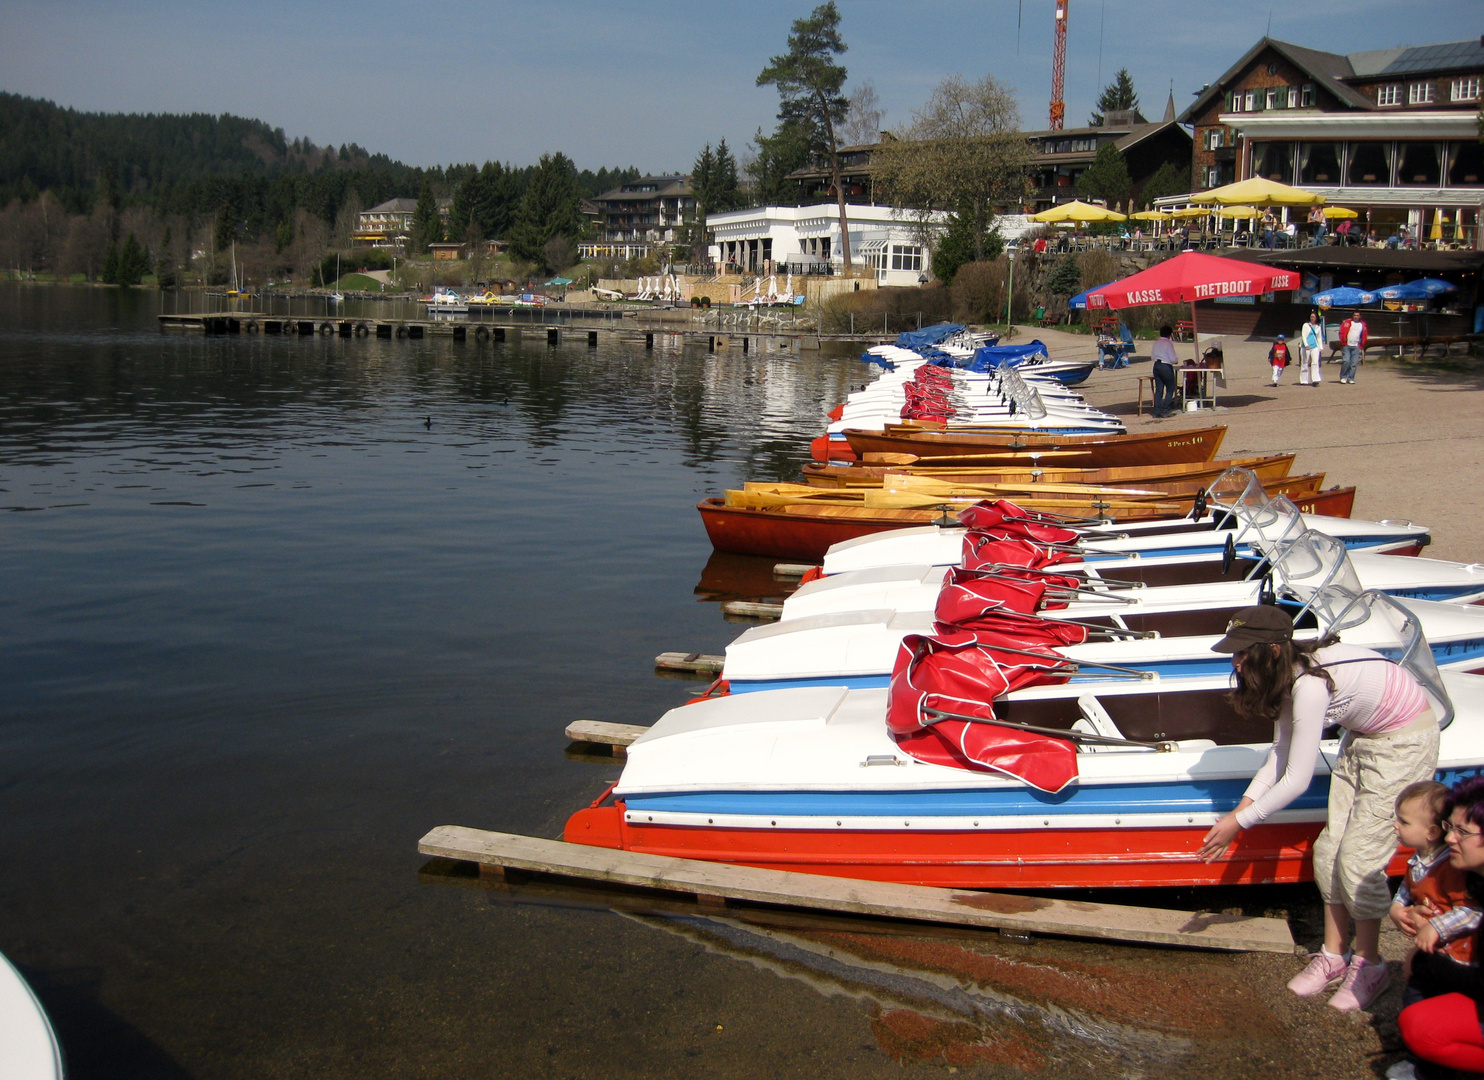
(1006, 519)
(965, 596)
(963, 673)
(974, 604)
(986, 549)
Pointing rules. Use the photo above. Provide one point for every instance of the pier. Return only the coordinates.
(496, 327)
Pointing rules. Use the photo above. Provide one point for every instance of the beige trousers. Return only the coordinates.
(1358, 840)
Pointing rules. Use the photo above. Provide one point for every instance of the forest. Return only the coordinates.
(76, 186)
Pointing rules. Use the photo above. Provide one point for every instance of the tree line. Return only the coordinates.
(74, 185)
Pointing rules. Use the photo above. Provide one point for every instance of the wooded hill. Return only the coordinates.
(225, 178)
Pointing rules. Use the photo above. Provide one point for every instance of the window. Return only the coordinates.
(906, 257)
(1250, 101)
(1215, 138)
(1213, 176)
(1273, 161)
(1319, 163)
(1421, 164)
(1306, 95)
(1293, 97)
(1370, 164)
(1419, 93)
(1466, 89)
(1272, 97)
(1389, 95)
(1466, 164)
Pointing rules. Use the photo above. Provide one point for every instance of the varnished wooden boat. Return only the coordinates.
(805, 528)
(873, 472)
(1081, 451)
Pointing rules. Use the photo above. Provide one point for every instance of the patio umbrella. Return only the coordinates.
(1345, 296)
(1192, 212)
(1261, 192)
(1437, 226)
(1190, 277)
(1079, 302)
(1151, 215)
(1077, 210)
(1340, 212)
(1240, 212)
(1421, 289)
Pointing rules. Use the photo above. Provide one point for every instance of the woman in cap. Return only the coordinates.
(1391, 740)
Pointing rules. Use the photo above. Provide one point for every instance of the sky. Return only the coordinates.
(632, 82)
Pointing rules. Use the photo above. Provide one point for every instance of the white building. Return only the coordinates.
(806, 239)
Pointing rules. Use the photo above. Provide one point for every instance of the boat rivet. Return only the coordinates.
(710, 821)
(906, 824)
(1046, 822)
(976, 824)
(651, 817)
(772, 823)
(1118, 821)
(1190, 821)
(837, 823)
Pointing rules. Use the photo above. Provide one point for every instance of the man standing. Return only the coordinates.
(1317, 219)
(1352, 338)
(1163, 354)
(1311, 348)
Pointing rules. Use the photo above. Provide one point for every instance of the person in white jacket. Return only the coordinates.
(1311, 348)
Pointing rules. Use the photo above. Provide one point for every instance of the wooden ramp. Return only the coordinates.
(1000, 911)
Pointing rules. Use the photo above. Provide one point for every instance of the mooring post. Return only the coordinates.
(553, 335)
(649, 339)
(592, 339)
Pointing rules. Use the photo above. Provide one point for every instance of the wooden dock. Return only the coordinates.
(701, 663)
(716, 884)
(504, 326)
(602, 733)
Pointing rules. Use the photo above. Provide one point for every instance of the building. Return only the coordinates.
(448, 251)
(806, 240)
(1392, 133)
(636, 218)
(388, 224)
(1058, 160)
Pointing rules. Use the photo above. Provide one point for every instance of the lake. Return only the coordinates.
(275, 606)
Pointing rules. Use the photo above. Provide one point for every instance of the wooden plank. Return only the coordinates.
(793, 569)
(960, 907)
(604, 733)
(679, 661)
(751, 610)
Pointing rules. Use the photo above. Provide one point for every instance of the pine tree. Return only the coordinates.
(702, 177)
(726, 191)
(960, 246)
(1118, 94)
(1167, 180)
(1107, 177)
(549, 208)
(427, 226)
(111, 265)
(132, 263)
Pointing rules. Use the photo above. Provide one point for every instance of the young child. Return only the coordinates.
(1432, 905)
(1278, 357)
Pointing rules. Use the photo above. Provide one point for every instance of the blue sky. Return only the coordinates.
(643, 82)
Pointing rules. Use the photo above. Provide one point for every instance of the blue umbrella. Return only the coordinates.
(1421, 289)
(1079, 302)
(1345, 296)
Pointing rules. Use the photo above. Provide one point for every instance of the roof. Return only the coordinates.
(666, 187)
(1333, 71)
(394, 206)
(1368, 258)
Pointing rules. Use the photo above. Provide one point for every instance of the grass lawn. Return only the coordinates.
(358, 283)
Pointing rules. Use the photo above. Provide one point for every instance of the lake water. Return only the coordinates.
(272, 607)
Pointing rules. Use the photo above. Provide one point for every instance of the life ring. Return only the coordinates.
(252, 326)
(401, 330)
(326, 328)
(482, 334)
(361, 329)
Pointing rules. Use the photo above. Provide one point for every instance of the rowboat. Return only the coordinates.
(1049, 784)
(1083, 451)
(805, 529)
(872, 472)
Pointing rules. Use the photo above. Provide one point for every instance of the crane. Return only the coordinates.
(1059, 68)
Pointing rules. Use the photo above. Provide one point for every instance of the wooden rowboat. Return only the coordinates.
(804, 529)
(1081, 451)
(872, 473)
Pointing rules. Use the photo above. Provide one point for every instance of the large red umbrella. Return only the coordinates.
(1189, 277)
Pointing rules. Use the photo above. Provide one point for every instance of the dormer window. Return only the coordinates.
(1389, 95)
(1419, 93)
(1306, 95)
(1466, 89)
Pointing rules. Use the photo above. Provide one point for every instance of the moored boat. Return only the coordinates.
(1090, 451)
(28, 1046)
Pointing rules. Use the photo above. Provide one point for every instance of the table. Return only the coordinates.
(1205, 395)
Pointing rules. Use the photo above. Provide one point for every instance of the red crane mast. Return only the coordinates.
(1059, 68)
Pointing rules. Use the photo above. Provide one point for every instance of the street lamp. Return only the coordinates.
(1010, 292)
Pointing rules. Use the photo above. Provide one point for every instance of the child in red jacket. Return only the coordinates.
(1278, 357)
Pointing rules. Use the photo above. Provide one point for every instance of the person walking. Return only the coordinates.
(1163, 354)
(1311, 348)
(1391, 741)
(1353, 333)
(1278, 357)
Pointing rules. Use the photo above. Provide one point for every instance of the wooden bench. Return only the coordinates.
(1185, 330)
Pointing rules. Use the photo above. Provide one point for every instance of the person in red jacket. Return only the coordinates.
(1278, 357)
(1352, 338)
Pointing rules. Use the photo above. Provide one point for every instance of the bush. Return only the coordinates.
(979, 292)
(897, 309)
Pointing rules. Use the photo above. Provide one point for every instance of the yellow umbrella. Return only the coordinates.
(1340, 212)
(1078, 211)
(1240, 212)
(1192, 212)
(1260, 192)
(1437, 226)
(1150, 215)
